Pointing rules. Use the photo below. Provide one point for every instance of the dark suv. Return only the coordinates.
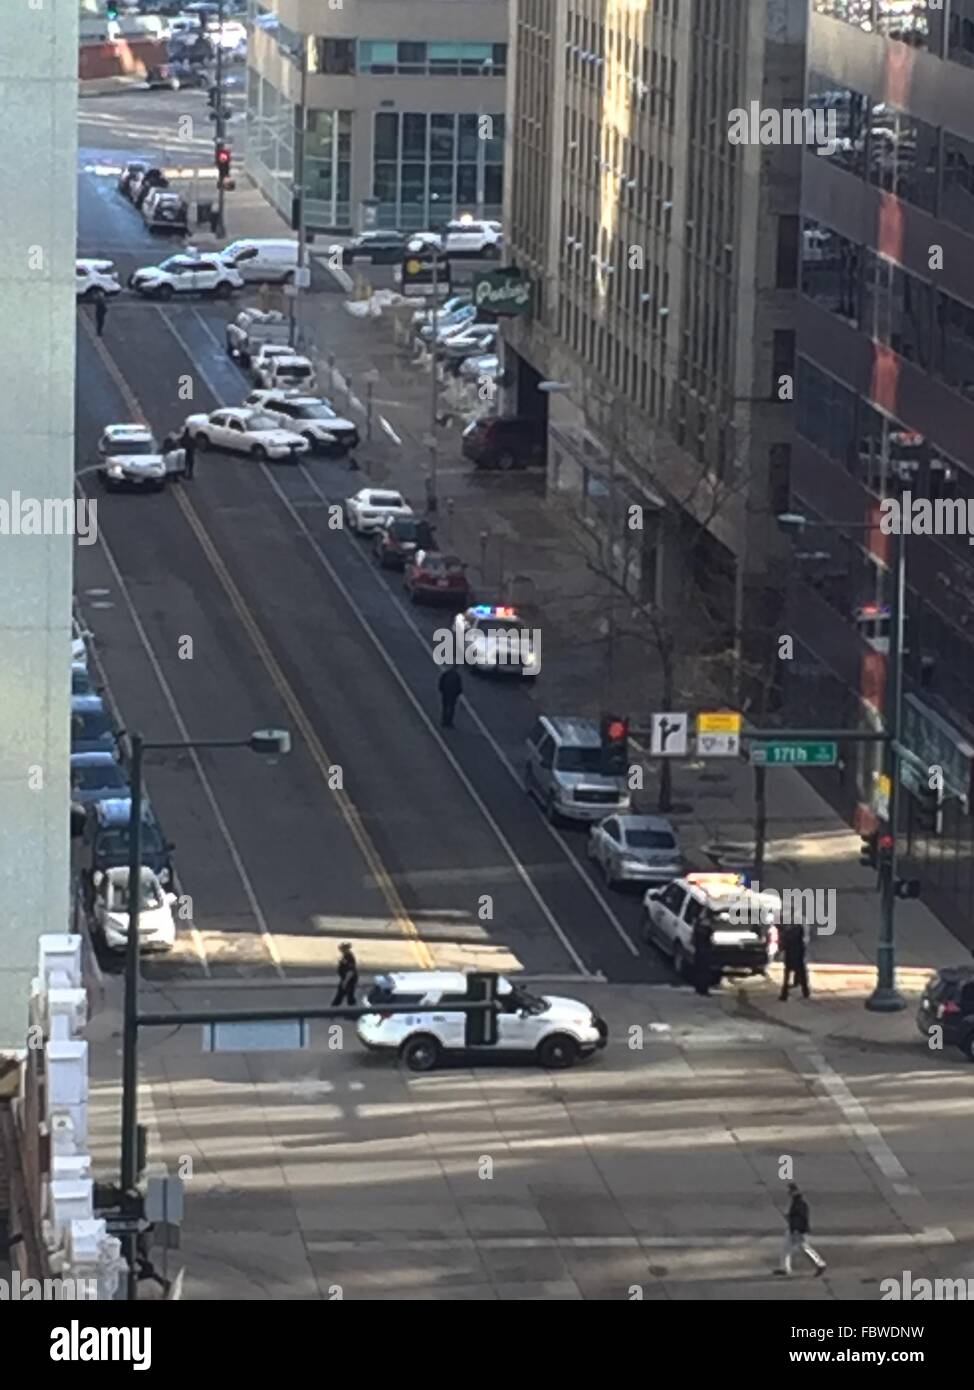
(948, 1003)
(381, 248)
(504, 441)
(105, 843)
(398, 539)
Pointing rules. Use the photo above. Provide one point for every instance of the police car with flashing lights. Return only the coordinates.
(494, 640)
(744, 924)
(555, 1031)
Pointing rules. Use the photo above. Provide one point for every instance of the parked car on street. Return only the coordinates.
(285, 371)
(473, 341)
(429, 576)
(263, 260)
(398, 538)
(96, 777)
(635, 849)
(241, 430)
(252, 329)
(447, 323)
(504, 441)
(469, 237)
(744, 924)
(129, 457)
(485, 366)
(141, 184)
(165, 211)
(91, 726)
(184, 274)
(95, 279)
(378, 247)
(314, 419)
(105, 842)
(422, 317)
(110, 910)
(563, 771)
(947, 1003)
(496, 641)
(553, 1030)
(368, 508)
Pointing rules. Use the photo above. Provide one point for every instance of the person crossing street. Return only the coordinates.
(796, 1237)
(347, 976)
(451, 688)
(101, 314)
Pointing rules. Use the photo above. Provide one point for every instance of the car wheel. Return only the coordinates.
(165, 292)
(311, 442)
(420, 1053)
(557, 1052)
(259, 452)
(506, 461)
(223, 290)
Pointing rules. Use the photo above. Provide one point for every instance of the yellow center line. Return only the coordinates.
(350, 814)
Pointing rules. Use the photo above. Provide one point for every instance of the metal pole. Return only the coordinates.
(885, 998)
(299, 162)
(130, 1034)
(220, 130)
(433, 344)
(760, 819)
(368, 411)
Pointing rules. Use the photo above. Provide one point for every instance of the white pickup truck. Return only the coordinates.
(253, 329)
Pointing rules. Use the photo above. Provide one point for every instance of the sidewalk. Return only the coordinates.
(520, 548)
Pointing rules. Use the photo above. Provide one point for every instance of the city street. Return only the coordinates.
(653, 1171)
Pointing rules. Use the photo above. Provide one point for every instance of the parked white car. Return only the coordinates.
(744, 924)
(129, 457)
(110, 911)
(95, 279)
(286, 371)
(186, 275)
(315, 419)
(261, 359)
(635, 849)
(553, 1030)
(366, 511)
(241, 430)
(468, 237)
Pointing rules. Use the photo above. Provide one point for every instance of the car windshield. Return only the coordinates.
(650, 839)
(531, 1003)
(115, 841)
(101, 777)
(172, 263)
(579, 760)
(92, 723)
(316, 411)
(295, 369)
(407, 528)
(119, 896)
(137, 447)
(384, 499)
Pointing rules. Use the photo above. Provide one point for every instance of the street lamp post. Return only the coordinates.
(370, 379)
(885, 998)
(220, 129)
(273, 742)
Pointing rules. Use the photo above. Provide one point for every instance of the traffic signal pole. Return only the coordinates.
(220, 131)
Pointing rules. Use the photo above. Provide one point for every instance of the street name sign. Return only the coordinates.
(795, 753)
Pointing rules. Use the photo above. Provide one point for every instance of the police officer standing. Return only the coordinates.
(796, 967)
(347, 976)
(702, 955)
(451, 688)
(189, 449)
(101, 314)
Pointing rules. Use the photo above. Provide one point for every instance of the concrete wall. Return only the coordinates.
(38, 96)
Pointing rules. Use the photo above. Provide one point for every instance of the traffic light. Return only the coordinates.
(111, 9)
(615, 745)
(223, 159)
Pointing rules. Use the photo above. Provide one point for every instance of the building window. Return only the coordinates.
(903, 156)
(960, 39)
(955, 344)
(851, 118)
(786, 272)
(334, 56)
(830, 271)
(430, 167)
(957, 196)
(327, 168)
(413, 58)
(826, 412)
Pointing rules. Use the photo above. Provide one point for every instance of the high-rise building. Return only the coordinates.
(663, 256)
(395, 99)
(39, 76)
(885, 400)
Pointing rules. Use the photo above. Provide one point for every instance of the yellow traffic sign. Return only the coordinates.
(720, 721)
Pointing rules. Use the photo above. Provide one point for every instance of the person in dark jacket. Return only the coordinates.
(101, 314)
(703, 966)
(347, 976)
(795, 968)
(189, 448)
(796, 1237)
(451, 688)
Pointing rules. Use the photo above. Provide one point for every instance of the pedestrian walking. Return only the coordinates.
(702, 955)
(795, 967)
(796, 1237)
(101, 314)
(189, 449)
(451, 688)
(347, 975)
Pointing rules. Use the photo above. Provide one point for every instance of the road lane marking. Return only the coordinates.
(346, 806)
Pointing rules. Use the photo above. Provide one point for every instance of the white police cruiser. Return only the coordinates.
(494, 640)
(744, 924)
(554, 1031)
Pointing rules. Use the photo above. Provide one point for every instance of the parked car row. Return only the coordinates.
(465, 236)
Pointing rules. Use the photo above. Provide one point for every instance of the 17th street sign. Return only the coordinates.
(795, 753)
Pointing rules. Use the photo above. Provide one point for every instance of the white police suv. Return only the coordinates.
(495, 641)
(552, 1030)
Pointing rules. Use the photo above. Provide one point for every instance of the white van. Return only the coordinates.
(263, 259)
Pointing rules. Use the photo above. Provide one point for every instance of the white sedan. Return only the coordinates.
(157, 927)
(368, 509)
(95, 279)
(244, 431)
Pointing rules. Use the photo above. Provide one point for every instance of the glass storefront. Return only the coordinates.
(328, 168)
(430, 167)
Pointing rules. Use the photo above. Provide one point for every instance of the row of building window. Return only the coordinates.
(920, 163)
(920, 23)
(921, 323)
(408, 58)
(429, 165)
(882, 452)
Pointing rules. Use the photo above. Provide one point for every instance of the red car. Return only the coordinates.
(430, 577)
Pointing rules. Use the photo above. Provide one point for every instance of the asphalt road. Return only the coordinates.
(232, 603)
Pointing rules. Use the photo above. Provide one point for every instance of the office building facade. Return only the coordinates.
(885, 405)
(663, 258)
(404, 109)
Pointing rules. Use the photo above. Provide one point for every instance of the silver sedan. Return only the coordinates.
(636, 849)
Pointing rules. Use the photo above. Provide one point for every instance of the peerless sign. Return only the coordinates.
(503, 292)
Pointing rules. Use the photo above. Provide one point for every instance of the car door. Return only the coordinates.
(480, 1028)
(237, 435)
(609, 841)
(666, 913)
(218, 429)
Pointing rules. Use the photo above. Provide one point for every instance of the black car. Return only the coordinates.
(140, 187)
(948, 1004)
(504, 441)
(105, 842)
(398, 538)
(381, 248)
